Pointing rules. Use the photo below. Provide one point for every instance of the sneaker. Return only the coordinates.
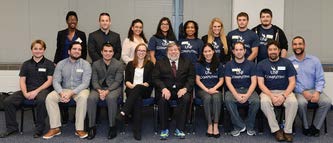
(164, 134)
(236, 132)
(81, 134)
(180, 134)
(51, 133)
(251, 132)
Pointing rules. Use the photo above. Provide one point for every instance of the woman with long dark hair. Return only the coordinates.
(209, 78)
(159, 41)
(135, 36)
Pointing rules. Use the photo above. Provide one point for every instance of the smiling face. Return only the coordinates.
(75, 52)
(190, 29)
(208, 53)
(298, 46)
(173, 52)
(273, 52)
(141, 52)
(38, 51)
(71, 22)
(165, 26)
(107, 53)
(216, 28)
(137, 28)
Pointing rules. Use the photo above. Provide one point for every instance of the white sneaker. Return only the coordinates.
(251, 132)
(236, 133)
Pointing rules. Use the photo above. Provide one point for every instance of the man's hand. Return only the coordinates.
(307, 95)
(315, 97)
(181, 92)
(166, 93)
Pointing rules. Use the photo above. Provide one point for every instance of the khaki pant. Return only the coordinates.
(290, 105)
(53, 111)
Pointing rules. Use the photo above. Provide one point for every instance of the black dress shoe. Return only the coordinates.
(91, 133)
(37, 134)
(216, 135)
(137, 136)
(306, 132)
(209, 134)
(6, 134)
(112, 132)
(314, 131)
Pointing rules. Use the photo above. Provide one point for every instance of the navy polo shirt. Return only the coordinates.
(248, 37)
(191, 49)
(276, 74)
(207, 77)
(240, 73)
(159, 46)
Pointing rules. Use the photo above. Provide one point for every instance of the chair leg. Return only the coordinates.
(33, 115)
(325, 125)
(194, 119)
(22, 118)
(155, 118)
(261, 122)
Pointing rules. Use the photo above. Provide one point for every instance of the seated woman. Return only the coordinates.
(209, 78)
(138, 86)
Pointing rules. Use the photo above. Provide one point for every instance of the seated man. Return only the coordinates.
(71, 80)
(241, 81)
(107, 76)
(310, 83)
(174, 79)
(276, 79)
(35, 83)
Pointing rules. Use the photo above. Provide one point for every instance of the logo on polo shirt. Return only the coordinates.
(274, 71)
(216, 47)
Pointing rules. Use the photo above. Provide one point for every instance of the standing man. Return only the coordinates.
(276, 79)
(107, 76)
(71, 80)
(266, 32)
(245, 35)
(241, 81)
(174, 79)
(310, 83)
(35, 83)
(103, 35)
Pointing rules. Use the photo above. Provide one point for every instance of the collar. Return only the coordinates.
(33, 61)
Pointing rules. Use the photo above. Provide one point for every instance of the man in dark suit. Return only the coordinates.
(106, 79)
(174, 79)
(101, 36)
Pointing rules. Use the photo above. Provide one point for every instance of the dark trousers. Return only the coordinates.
(15, 100)
(180, 110)
(133, 105)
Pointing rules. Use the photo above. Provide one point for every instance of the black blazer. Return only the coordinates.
(147, 72)
(61, 38)
(163, 77)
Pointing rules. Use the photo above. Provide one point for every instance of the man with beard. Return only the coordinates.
(267, 32)
(310, 83)
(35, 83)
(103, 35)
(174, 79)
(241, 81)
(107, 76)
(245, 35)
(71, 79)
(276, 79)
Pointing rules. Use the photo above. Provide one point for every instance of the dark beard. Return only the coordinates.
(302, 51)
(75, 58)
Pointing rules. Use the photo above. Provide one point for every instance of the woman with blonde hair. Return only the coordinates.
(217, 38)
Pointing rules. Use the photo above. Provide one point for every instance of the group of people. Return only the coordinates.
(245, 67)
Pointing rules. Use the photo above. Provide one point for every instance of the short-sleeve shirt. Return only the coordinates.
(276, 74)
(191, 49)
(159, 46)
(36, 73)
(240, 73)
(207, 77)
(248, 37)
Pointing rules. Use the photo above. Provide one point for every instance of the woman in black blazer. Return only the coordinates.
(67, 36)
(138, 83)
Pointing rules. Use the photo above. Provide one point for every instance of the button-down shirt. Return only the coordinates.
(72, 75)
(310, 73)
